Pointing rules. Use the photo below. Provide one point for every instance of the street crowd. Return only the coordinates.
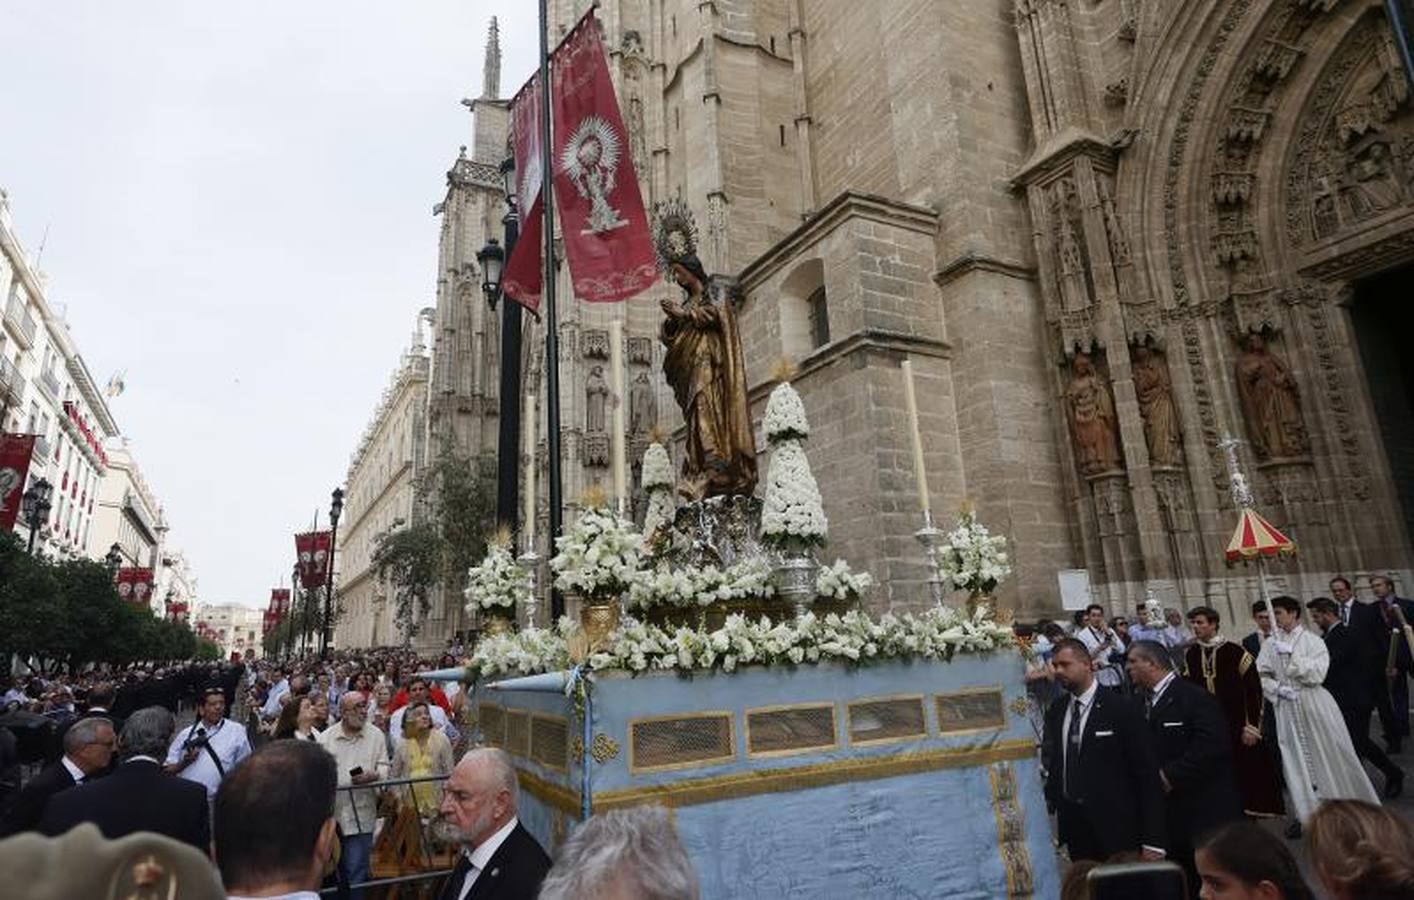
(1165, 739)
(1161, 739)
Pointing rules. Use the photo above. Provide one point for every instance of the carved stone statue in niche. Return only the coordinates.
(642, 407)
(1271, 402)
(596, 395)
(1093, 426)
(1155, 392)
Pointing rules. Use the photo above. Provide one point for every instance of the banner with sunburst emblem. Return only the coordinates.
(604, 224)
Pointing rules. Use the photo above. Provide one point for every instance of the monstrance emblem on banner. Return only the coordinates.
(591, 159)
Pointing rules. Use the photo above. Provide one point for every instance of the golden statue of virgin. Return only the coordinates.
(703, 366)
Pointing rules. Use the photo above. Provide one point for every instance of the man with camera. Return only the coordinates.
(1105, 645)
(207, 750)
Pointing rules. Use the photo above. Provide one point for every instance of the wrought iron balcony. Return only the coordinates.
(21, 323)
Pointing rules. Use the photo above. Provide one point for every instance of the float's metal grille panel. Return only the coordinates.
(886, 720)
(788, 730)
(493, 725)
(970, 711)
(681, 742)
(549, 741)
(518, 733)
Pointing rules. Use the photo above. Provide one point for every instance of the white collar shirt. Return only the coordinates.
(356, 809)
(1087, 703)
(1094, 638)
(74, 771)
(1159, 688)
(227, 738)
(271, 709)
(481, 856)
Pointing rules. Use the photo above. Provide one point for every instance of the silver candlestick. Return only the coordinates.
(530, 560)
(930, 536)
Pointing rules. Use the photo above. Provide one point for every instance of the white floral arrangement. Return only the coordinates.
(793, 514)
(839, 582)
(973, 559)
(785, 416)
(691, 586)
(499, 582)
(659, 482)
(598, 557)
(854, 638)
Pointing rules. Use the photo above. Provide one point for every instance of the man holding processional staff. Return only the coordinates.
(1396, 613)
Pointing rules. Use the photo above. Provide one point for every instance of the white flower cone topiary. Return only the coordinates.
(793, 516)
(659, 483)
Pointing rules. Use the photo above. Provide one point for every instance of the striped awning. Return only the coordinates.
(1255, 536)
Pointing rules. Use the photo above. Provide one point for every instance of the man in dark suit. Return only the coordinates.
(1189, 735)
(1102, 778)
(1348, 680)
(1393, 705)
(500, 860)
(100, 705)
(137, 796)
(275, 832)
(88, 748)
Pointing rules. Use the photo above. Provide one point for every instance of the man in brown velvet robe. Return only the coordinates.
(1229, 673)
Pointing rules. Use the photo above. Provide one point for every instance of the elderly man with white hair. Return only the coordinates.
(623, 854)
(500, 860)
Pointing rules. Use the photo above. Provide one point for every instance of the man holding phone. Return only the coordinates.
(359, 751)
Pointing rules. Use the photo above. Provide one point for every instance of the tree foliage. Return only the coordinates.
(454, 508)
(67, 614)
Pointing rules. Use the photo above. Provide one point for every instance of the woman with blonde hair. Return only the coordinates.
(1362, 851)
(424, 752)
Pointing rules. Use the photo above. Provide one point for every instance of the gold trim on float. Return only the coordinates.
(1000, 722)
(773, 781)
(895, 739)
(834, 744)
(728, 714)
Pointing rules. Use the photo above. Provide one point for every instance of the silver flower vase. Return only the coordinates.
(794, 579)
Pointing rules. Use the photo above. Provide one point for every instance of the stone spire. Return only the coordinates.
(491, 76)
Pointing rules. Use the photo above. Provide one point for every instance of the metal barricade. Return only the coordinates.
(408, 846)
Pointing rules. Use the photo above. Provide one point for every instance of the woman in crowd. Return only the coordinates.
(297, 720)
(1362, 851)
(1243, 861)
(321, 711)
(424, 752)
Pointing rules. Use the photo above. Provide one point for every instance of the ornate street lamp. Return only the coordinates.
(336, 509)
(493, 260)
(35, 505)
(114, 559)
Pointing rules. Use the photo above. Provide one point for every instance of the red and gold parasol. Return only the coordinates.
(1256, 538)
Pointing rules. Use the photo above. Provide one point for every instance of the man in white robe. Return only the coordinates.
(1317, 758)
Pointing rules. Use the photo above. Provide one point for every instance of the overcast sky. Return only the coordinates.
(239, 199)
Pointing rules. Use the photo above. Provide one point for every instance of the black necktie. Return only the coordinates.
(457, 879)
(1344, 614)
(1148, 705)
(1072, 754)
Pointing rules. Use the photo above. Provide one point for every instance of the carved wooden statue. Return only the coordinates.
(1271, 403)
(1155, 393)
(1093, 425)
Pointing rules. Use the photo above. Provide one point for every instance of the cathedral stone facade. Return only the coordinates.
(1108, 233)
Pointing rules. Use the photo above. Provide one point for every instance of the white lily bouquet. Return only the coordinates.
(499, 582)
(973, 559)
(598, 556)
(839, 582)
(659, 484)
(691, 586)
(793, 516)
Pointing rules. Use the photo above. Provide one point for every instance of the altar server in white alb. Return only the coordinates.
(1317, 758)
(207, 750)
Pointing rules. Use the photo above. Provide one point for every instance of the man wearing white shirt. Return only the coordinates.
(278, 689)
(207, 750)
(1101, 641)
(361, 754)
(500, 860)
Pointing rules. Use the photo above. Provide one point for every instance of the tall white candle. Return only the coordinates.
(616, 446)
(911, 402)
(528, 527)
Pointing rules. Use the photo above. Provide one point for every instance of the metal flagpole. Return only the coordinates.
(552, 338)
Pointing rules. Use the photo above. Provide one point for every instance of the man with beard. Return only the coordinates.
(1102, 776)
(1228, 672)
(500, 860)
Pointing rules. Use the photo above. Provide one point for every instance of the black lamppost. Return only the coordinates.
(114, 559)
(290, 613)
(35, 505)
(326, 634)
(493, 259)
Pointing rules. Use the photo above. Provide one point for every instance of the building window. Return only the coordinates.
(819, 318)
